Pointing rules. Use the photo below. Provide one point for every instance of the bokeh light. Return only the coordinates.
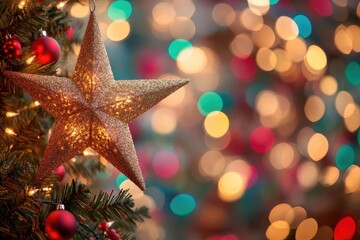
(165, 164)
(314, 108)
(212, 163)
(308, 175)
(120, 10)
(283, 156)
(177, 46)
(216, 124)
(163, 121)
(307, 229)
(118, 30)
(231, 186)
(278, 230)
(183, 204)
(345, 157)
(345, 229)
(192, 60)
(352, 73)
(209, 102)
(286, 28)
(262, 139)
(304, 25)
(329, 176)
(78, 10)
(318, 147)
(328, 85)
(316, 58)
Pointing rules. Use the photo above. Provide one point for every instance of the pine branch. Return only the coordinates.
(85, 166)
(103, 207)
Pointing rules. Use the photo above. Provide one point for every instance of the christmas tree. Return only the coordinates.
(89, 117)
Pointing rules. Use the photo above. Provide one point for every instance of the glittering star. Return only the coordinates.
(92, 109)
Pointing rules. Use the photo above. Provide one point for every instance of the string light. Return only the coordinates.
(46, 189)
(31, 192)
(30, 59)
(9, 131)
(61, 4)
(22, 4)
(11, 114)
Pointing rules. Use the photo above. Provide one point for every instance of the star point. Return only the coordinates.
(92, 109)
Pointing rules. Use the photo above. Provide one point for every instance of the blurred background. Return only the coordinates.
(263, 143)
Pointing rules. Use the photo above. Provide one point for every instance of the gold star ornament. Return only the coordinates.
(92, 109)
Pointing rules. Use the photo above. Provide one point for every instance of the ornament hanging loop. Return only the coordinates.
(92, 5)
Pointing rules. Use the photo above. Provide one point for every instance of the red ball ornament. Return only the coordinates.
(60, 224)
(103, 226)
(60, 172)
(46, 50)
(12, 48)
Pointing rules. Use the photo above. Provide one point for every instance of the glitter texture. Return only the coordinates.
(92, 109)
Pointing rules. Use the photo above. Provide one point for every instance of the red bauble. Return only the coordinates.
(112, 234)
(60, 171)
(60, 225)
(46, 50)
(103, 226)
(12, 48)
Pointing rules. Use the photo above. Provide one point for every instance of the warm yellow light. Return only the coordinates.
(308, 174)
(342, 100)
(278, 230)
(46, 189)
(286, 28)
(307, 229)
(343, 39)
(250, 20)
(79, 11)
(283, 156)
(30, 59)
(192, 60)
(163, 121)
(266, 59)
(355, 33)
(314, 108)
(22, 4)
(351, 117)
(183, 28)
(118, 30)
(223, 14)
(216, 124)
(242, 45)
(317, 147)
(11, 114)
(296, 49)
(212, 164)
(9, 131)
(352, 179)
(36, 103)
(163, 13)
(280, 213)
(231, 186)
(259, 7)
(267, 103)
(89, 152)
(264, 37)
(328, 85)
(316, 58)
(283, 61)
(61, 4)
(329, 176)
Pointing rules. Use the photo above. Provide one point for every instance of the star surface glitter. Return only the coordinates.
(92, 109)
